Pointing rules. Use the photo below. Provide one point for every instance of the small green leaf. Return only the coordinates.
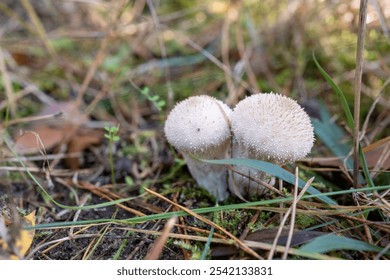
(115, 138)
(145, 91)
(107, 136)
(154, 98)
(129, 181)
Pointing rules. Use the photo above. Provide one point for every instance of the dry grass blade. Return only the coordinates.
(92, 70)
(358, 86)
(285, 217)
(7, 84)
(109, 196)
(158, 246)
(293, 212)
(237, 241)
(39, 28)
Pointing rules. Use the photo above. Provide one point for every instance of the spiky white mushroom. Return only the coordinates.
(270, 127)
(200, 126)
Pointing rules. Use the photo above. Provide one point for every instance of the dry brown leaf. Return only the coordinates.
(31, 141)
(66, 126)
(80, 142)
(268, 236)
(25, 238)
(372, 153)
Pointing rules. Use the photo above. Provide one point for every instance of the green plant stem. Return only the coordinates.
(111, 159)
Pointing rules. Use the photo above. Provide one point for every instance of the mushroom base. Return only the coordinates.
(212, 177)
(247, 181)
(249, 184)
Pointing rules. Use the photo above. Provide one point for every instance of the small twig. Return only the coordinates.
(382, 252)
(161, 241)
(293, 212)
(358, 86)
(281, 205)
(288, 212)
(83, 200)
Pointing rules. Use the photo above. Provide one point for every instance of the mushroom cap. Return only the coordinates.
(272, 127)
(198, 125)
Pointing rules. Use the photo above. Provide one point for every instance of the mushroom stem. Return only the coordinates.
(212, 177)
(200, 127)
(245, 180)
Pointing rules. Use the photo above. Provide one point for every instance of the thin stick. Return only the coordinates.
(293, 212)
(358, 86)
(158, 246)
(285, 217)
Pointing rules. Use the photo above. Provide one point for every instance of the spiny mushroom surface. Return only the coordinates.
(199, 126)
(271, 127)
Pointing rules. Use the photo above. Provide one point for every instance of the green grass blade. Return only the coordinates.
(339, 93)
(204, 210)
(273, 170)
(331, 242)
(348, 114)
(207, 245)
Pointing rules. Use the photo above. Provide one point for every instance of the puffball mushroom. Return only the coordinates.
(269, 127)
(200, 127)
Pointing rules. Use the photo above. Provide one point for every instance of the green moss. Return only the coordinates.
(259, 225)
(304, 221)
(195, 249)
(233, 221)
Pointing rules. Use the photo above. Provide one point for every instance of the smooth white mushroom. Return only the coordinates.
(269, 127)
(199, 126)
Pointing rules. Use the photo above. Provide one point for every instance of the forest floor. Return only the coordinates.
(87, 173)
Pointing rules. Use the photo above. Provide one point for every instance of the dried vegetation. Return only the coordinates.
(71, 70)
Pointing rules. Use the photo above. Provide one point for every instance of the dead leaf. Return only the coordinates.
(375, 151)
(268, 235)
(25, 238)
(66, 126)
(30, 141)
(372, 153)
(80, 142)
